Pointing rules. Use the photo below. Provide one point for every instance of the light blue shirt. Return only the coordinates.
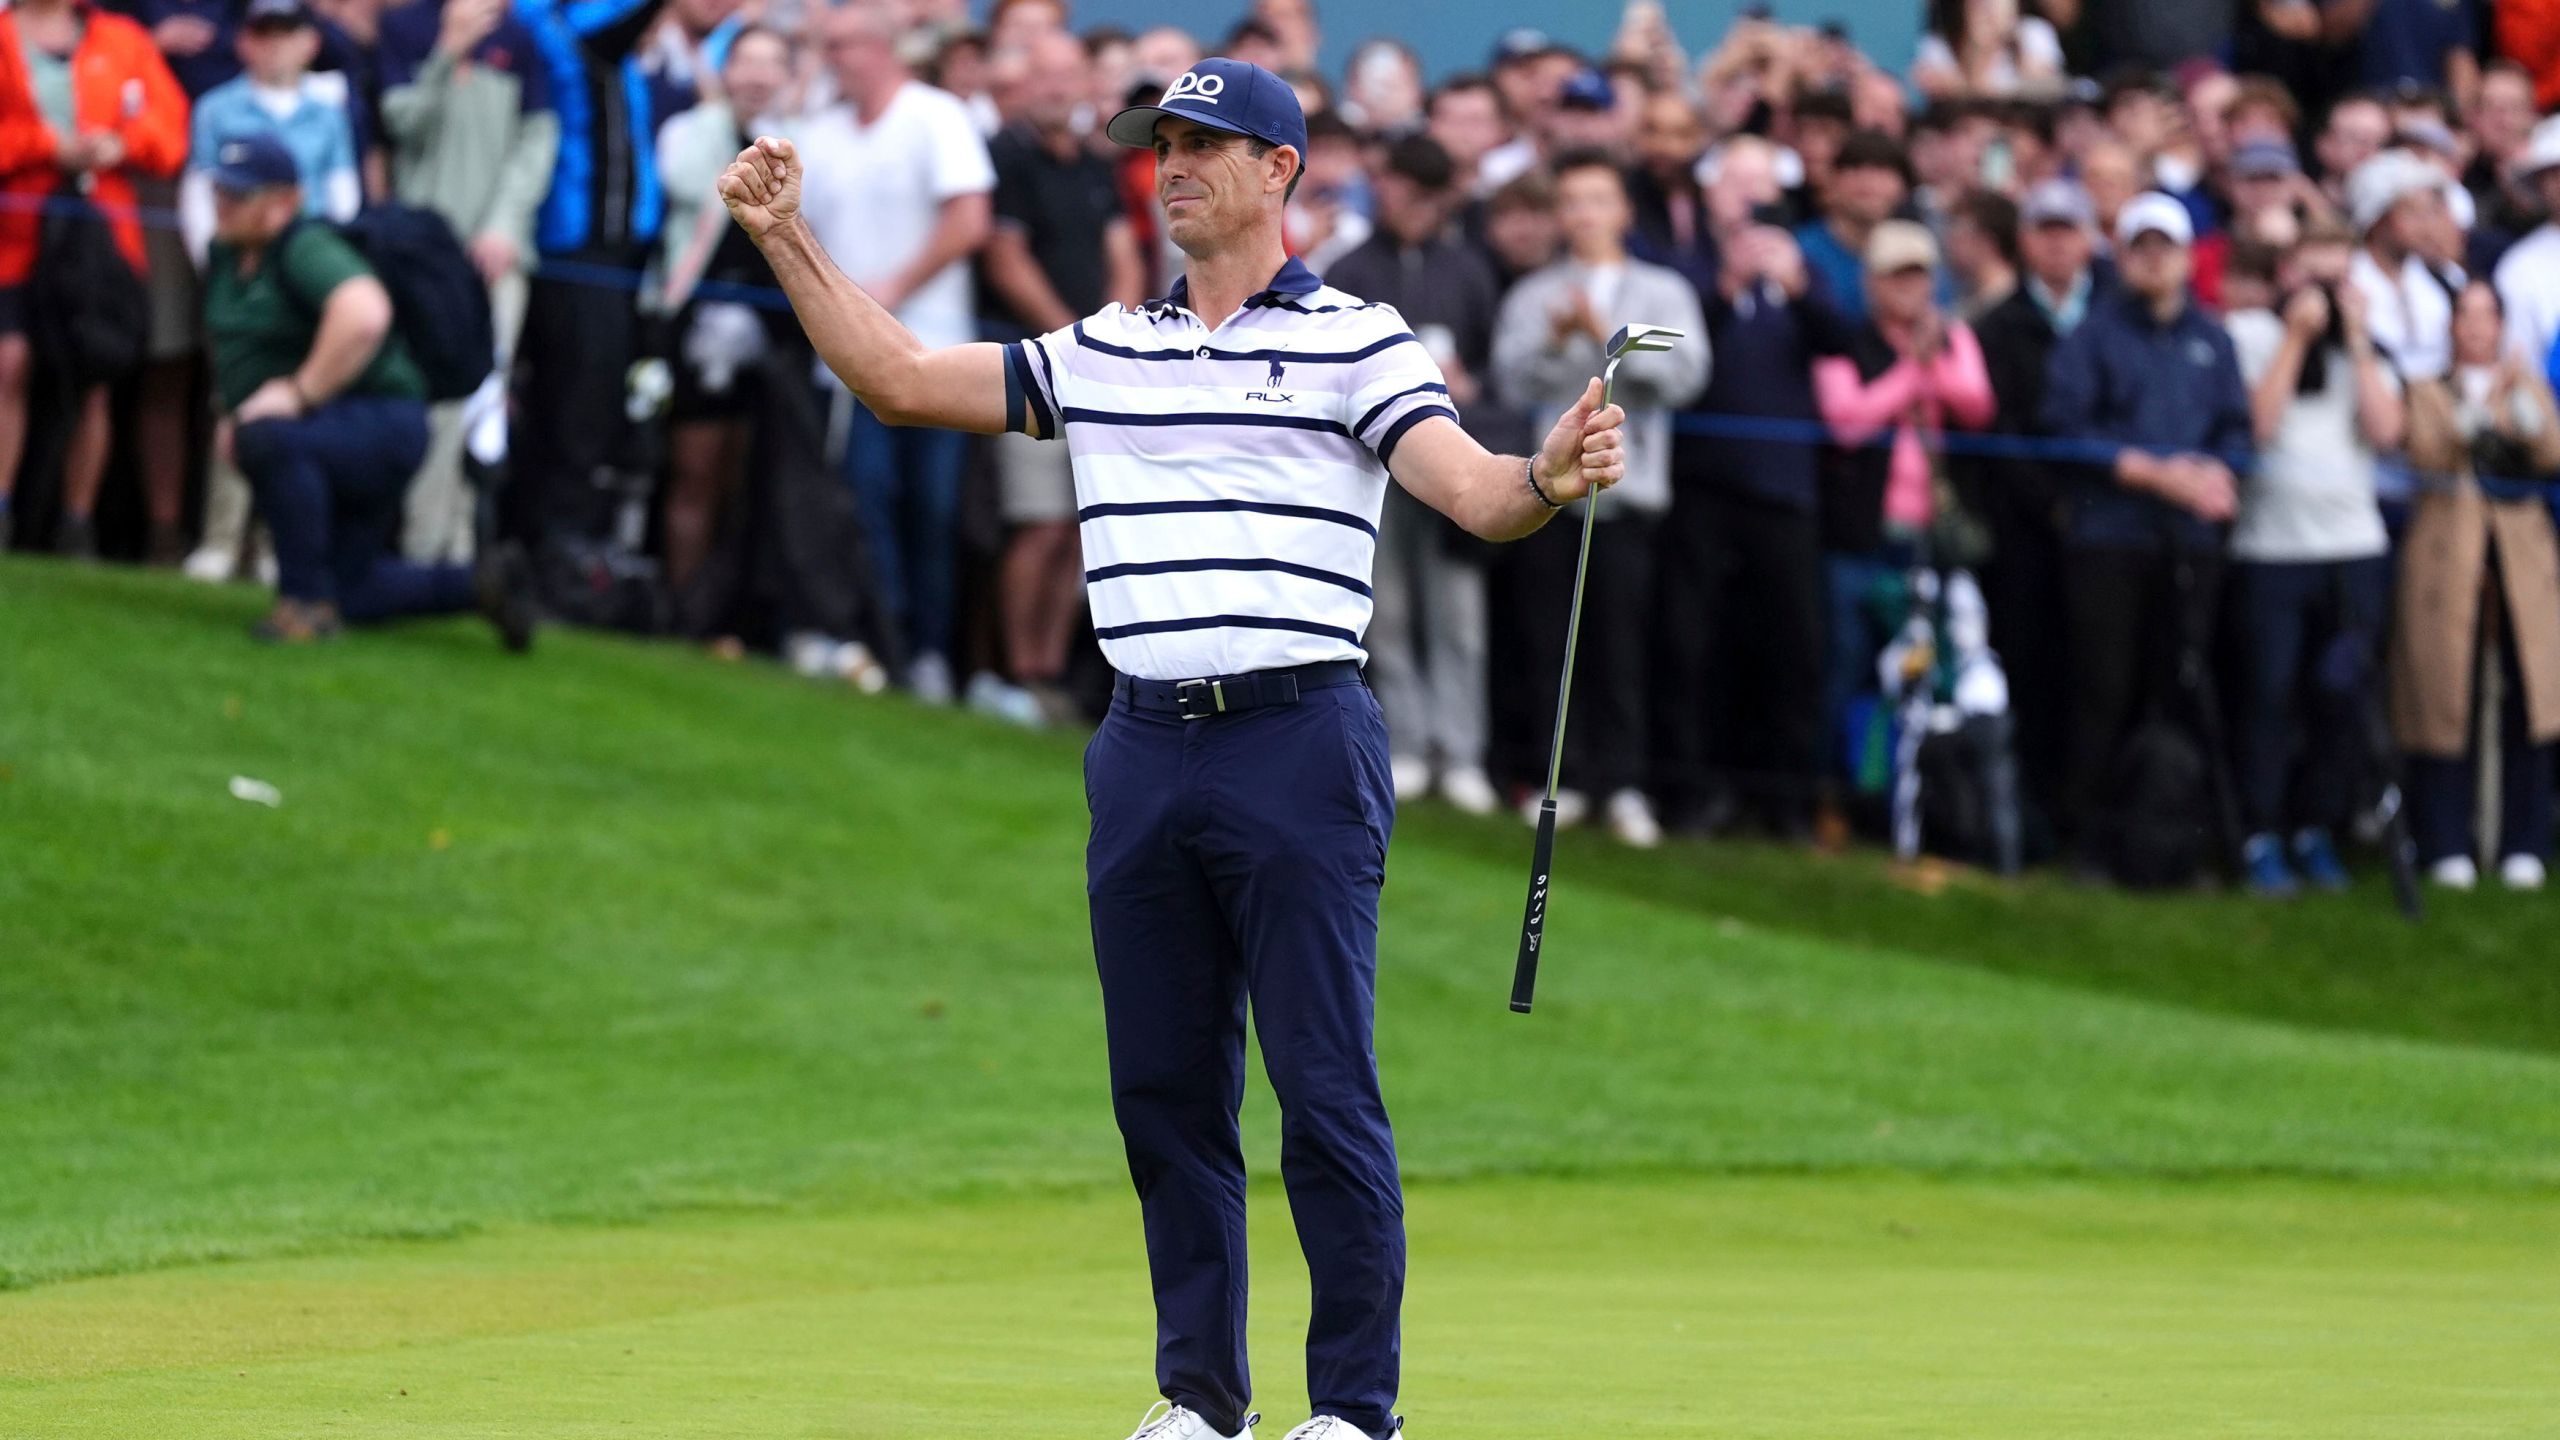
(316, 128)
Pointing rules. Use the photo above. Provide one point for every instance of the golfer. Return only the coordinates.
(1231, 445)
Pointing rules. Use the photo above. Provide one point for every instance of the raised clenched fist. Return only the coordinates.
(762, 186)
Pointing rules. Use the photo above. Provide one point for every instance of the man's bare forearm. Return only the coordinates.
(1494, 501)
(868, 349)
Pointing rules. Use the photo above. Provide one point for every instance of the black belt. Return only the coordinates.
(1226, 694)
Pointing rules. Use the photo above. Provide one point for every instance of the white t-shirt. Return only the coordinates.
(873, 193)
(2310, 497)
(2410, 315)
(2529, 285)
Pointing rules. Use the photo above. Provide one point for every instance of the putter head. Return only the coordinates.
(1634, 338)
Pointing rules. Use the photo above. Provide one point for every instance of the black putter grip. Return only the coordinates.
(1533, 923)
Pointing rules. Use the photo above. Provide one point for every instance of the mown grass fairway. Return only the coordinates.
(730, 1044)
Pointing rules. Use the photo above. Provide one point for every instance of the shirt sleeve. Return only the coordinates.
(1394, 388)
(1033, 370)
(316, 262)
(960, 163)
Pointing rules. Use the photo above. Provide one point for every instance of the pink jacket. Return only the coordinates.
(1915, 400)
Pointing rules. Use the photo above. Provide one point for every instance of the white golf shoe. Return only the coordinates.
(2454, 872)
(1467, 788)
(2521, 872)
(1631, 820)
(1168, 1421)
(1334, 1427)
(1410, 775)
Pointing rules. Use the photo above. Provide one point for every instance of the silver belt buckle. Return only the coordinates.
(1199, 699)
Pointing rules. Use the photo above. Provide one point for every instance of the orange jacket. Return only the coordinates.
(2528, 32)
(119, 83)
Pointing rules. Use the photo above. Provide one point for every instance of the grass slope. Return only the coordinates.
(623, 929)
(1797, 1308)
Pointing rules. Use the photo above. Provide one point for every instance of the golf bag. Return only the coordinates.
(1955, 773)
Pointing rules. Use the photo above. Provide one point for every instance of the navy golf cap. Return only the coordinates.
(276, 12)
(253, 163)
(1229, 95)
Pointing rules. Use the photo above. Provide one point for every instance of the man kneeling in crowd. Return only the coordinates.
(325, 412)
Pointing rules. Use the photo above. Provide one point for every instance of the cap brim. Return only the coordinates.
(235, 182)
(1135, 127)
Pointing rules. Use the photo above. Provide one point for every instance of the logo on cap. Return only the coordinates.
(1195, 86)
(234, 153)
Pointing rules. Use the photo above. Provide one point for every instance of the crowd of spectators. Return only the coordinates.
(2119, 426)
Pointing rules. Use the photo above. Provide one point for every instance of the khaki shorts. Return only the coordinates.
(1035, 484)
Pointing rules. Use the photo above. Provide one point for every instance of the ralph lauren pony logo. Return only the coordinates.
(1270, 393)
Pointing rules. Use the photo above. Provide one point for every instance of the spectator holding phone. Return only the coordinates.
(2480, 583)
(2310, 565)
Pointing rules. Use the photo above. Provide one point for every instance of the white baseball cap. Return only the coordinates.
(2384, 181)
(2152, 212)
(2542, 150)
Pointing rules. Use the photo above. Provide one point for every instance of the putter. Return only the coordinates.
(1630, 339)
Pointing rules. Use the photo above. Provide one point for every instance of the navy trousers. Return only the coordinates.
(1233, 858)
(332, 485)
(2309, 635)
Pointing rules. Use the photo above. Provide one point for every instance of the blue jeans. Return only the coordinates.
(332, 485)
(907, 481)
(2310, 634)
(1240, 858)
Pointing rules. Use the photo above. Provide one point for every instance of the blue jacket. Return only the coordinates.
(604, 187)
(2123, 380)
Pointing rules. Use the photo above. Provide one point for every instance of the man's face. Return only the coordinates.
(1023, 24)
(2056, 251)
(2109, 174)
(2503, 117)
(858, 50)
(1591, 208)
(2253, 193)
(1163, 53)
(1467, 123)
(1572, 127)
(1406, 210)
(277, 52)
(2414, 222)
(2355, 133)
(2141, 118)
(1211, 185)
(1865, 194)
(1058, 80)
(2155, 266)
(1746, 178)
(1669, 138)
(758, 67)
(1818, 144)
(254, 217)
(1524, 236)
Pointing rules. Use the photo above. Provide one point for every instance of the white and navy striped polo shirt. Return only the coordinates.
(1228, 481)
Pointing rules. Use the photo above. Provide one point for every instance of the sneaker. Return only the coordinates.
(297, 622)
(852, 662)
(1411, 777)
(2268, 876)
(2316, 857)
(1631, 820)
(2454, 872)
(502, 583)
(1468, 790)
(1168, 1421)
(930, 679)
(809, 653)
(210, 564)
(2521, 872)
(990, 695)
(75, 538)
(1334, 1427)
